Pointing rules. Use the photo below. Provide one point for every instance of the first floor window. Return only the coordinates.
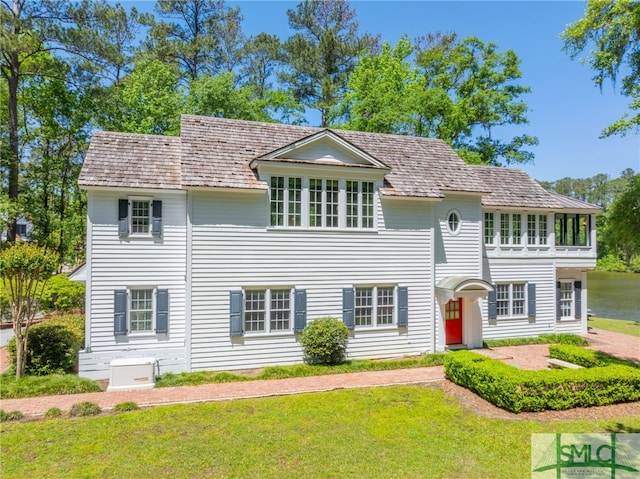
(566, 299)
(511, 300)
(374, 306)
(141, 310)
(267, 310)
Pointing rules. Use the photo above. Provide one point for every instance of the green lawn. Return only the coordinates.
(399, 432)
(631, 328)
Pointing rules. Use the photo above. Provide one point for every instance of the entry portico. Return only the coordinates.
(460, 318)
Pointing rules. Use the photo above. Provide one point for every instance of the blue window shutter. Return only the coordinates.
(403, 306)
(123, 217)
(577, 291)
(120, 312)
(492, 305)
(156, 218)
(162, 311)
(347, 308)
(531, 293)
(235, 313)
(300, 320)
(558, 296)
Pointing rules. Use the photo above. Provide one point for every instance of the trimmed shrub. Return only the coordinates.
(63, 295)
(518, 390)
(53, 413)
(10, 415)
(126, 406)
(52, 346)
(561, 338)
(324, 341)
(587, 358)
(85, 408)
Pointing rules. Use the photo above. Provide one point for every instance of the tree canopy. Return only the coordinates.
(610, 34)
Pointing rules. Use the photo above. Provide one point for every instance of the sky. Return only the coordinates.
(566, 111)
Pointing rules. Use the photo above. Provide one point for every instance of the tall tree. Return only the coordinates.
(324, 52)
(458, 91)
(613, 28)
(201, 36)
(623, 221)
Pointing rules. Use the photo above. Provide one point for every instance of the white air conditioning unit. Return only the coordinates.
(132, 373)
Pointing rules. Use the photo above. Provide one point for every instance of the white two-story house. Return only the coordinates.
(213, 250)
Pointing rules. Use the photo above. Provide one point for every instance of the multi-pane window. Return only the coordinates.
(511, 299)
(531, 229)
(566, 299)
(504, 228)
(488, 228)
(320, 199)
(374, 306)
(516, 229)
(267, 310)
(141, 309)
(542, 229)
(140, 216)
(572, 229)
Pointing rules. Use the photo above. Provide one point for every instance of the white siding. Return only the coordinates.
(233, 249)
(119, 263)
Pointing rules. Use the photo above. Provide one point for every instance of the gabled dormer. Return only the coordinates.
(321, 181)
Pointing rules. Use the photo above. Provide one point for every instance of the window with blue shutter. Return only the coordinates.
(300, 319)
(120, 312)
(577, 292)
(123, 217)
(162, 311)
(531, 296)
(235, 313)
(492, 305)
(347, 308)
(558, 300)
(156, 218)
(403, 306)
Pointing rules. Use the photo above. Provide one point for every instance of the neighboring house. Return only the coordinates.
(24, 229)
(212, 250)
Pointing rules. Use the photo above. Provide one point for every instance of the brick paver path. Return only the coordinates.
(216, 392)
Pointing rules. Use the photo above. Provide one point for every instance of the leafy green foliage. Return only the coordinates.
(53, 412)
(587, 358)
(52, 346)
(10, 415)
(457, 90)
(518, 390)
(560, 338)
(623, 221)
(63, 295)
(34, 386)
(324, 341)
(126, 406)
(85, 408)
(611, 26)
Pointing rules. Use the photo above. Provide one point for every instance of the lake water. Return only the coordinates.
(614, 295)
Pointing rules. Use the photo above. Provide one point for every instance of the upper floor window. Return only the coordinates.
(488, 228)
(453, 222)
(139, 216)
(510, 229)
(323, 202)
(572, 229)
(537, 229)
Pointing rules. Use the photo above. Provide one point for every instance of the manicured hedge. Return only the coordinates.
(586, 358)
(519, 390)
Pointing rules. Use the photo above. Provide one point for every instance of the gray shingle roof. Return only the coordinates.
(573, 203)
(132, 161)
(217, 153)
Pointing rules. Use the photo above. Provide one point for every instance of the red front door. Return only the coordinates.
(453, 321)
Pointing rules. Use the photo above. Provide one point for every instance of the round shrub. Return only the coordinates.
(125, 406)
(324, 341)
(85, 408)
(52, 346)
(10, 415)
(53, 412)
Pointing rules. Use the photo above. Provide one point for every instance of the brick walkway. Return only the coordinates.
(524, 357)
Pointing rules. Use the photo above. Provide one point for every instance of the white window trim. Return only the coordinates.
(525, 299)
(154, 295)
(571, 283)
(342, 204)
(374, 316)
(146, 199)
(456, 231)
(494, 241)
(267, 314)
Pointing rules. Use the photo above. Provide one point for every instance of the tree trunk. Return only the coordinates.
(20, 359)
(14, 145)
